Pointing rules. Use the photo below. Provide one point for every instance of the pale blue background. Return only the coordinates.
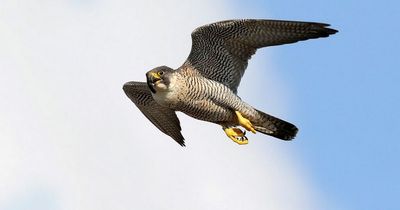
(347, 98)
(70, 139)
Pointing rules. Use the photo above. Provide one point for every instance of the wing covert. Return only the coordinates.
(163, 118)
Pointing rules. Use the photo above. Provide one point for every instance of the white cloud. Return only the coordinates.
(71, 139)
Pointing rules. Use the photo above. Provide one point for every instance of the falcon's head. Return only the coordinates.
(158, 79)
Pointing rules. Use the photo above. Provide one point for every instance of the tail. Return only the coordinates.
(275, 127)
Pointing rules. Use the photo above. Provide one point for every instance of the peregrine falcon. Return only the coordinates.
(205, 86)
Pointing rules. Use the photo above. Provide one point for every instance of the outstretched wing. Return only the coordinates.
(220, 51)
(163, 118)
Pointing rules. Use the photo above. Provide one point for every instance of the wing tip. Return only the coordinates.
(323, 29)
(179, 139)
(181, 142)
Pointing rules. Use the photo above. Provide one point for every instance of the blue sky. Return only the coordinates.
(70, 138)
(345, 97)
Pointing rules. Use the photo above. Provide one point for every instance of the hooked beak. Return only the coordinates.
(152, 78)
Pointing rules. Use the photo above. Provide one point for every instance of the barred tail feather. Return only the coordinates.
(275, 127)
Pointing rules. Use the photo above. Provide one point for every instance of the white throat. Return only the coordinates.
(165, 96)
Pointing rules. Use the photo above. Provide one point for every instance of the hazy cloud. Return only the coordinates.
(70, 139)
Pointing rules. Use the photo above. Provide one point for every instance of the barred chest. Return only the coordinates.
(165, 98)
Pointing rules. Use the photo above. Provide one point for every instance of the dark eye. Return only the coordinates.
(160, 73)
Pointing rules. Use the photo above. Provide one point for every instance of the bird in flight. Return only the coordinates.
(205, 86)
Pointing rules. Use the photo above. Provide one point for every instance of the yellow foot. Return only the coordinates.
(245, 123)
(236, 135)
